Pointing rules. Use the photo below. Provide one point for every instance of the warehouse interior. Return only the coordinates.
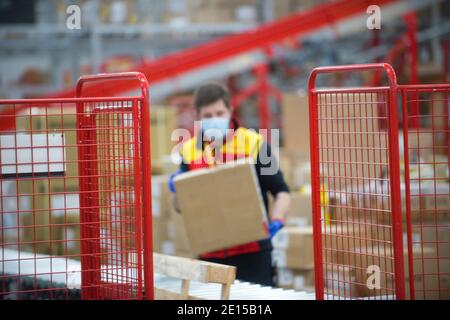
(61, 242)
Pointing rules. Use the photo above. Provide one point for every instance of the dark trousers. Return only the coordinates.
(252, 267)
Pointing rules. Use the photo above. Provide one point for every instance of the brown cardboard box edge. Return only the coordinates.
(238, 213)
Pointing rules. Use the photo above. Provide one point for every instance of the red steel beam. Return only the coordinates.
(172, 65)
(199, 56)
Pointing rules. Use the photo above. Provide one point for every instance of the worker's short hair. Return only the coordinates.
(210, 93)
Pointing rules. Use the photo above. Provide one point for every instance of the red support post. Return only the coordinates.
(263, 90)
(411, 24)
(261, 73)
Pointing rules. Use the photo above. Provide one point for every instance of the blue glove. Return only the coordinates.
(275, 226)
(171, 183)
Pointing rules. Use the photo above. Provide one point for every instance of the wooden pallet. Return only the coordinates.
(192, 270)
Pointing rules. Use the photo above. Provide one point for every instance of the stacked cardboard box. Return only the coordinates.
(360, 146)
(341, 247)
(295, 122)
(288, 7)
(162, 124)
(364, 261)
(14, 204)
(294, 156)
(340, 282)
(293, 256)
(296, 279)
(295, 166)
(300, 211)
(221, 11)
(162, 241)
(66, 231)
(50, 198)
(46, 197)
(293, 248)
(360, 228)
(435, 235)
(293, 245)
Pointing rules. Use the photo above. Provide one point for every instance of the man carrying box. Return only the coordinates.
(221, 139)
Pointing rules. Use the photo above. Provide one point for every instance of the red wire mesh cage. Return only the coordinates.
(380, 193)
(426, 173)
(75, 195)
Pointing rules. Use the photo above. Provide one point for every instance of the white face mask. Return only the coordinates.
(215, 127)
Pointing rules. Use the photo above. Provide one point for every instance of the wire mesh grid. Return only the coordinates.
(381, 197)
(426, 153)
(356, 223)
(72, 199)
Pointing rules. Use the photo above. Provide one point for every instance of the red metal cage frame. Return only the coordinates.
(349, 118)
(107, 130)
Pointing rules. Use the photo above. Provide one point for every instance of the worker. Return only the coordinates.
(212, 102)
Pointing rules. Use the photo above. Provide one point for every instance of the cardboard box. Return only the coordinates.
(417, 139)
(293, 237)
(180, 237)
(343, 281)
(15, 202)
(288, 7)
(371, 202)
(66, 234)
(338, 241)
(35, 222)
(424, 143)
(294, 165)
(295, 278)
(162, 124)
(294, 248)
(214, 11)
(430, 287)
(221, 206)
(295, 122)
(436, 207)
(298, 258)
(300, 211)
(286, 168)
(435, 235)
(426, 269)
(340, 282)
(160, 232)
(51, 225)
(351, 133)
(302, 174)
(429, 202)
(160, 196)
